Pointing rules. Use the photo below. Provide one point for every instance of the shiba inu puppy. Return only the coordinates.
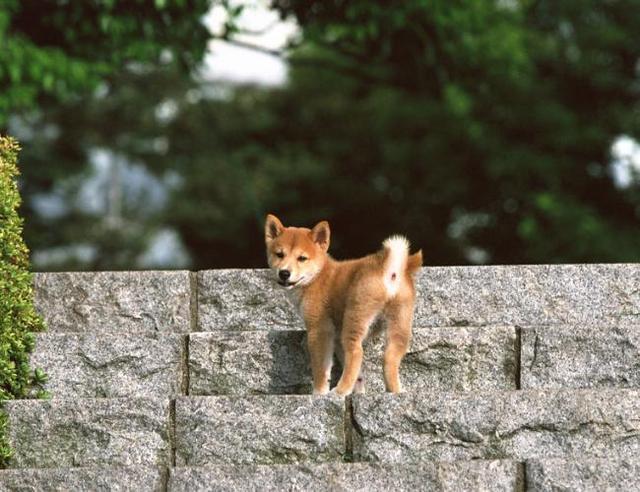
(341, 300)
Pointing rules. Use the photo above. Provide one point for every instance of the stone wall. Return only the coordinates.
(521, 377)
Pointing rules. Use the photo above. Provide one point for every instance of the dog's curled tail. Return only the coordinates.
(397, 262)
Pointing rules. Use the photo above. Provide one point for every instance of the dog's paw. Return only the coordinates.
(336, 392)
(359, 389)
(400, 390)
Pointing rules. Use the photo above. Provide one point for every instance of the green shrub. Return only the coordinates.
(18, 318)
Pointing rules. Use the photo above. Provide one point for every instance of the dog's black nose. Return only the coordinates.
(284, 275)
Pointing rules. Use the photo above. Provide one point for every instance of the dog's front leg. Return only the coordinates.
(321, 343)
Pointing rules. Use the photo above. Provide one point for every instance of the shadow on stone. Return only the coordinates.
(289, 371)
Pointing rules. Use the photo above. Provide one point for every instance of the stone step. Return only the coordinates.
(454, 476)
(89, 432)
(529, 295)
(248, 362)
(259, 429)
(133, 479)
(108, 365)
(276, 362)
(499, 475)
(241, 299)
(151, 301)
(520, 425)
(249, 299)
(290, 429)
(447, 296)
(622, 475)
(111, 365)
(580, 357)
(517, 425)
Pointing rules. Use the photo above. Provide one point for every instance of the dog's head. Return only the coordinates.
(295, 254)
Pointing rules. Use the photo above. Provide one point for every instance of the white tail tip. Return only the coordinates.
(395, 263)
(397, 243)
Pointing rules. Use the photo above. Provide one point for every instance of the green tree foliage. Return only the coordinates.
(18, 318)
(502, 111)
(469, 126)
(54, 54)
(121, 120)
(54, 50)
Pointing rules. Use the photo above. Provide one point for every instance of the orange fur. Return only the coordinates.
(340, 300)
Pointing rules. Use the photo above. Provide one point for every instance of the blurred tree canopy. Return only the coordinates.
(57, 49)
(59, 54)
(482, 130)
(502, 112)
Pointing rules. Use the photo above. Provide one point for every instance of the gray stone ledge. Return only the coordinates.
(133, 479)
(427, 476)
(276, 362)
(249, 299)
(239, 299)
(151, 301)
(450, 359)
(584, 474)
(88, 432)
(447, 296)
(581, 357)
(248, 362)
(528, 295)
(259, 430)
(516, 425)
(110, 365)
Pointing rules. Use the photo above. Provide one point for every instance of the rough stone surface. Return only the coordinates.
(528, 295)
(450, 359)
(244, 300)
(259, 430)
(447, 296)
(92, 365)
(248, 362)
(583, 474)
(88, 432)
(154, 301)
(503, 425)
(134, 479)
(581, 357)
(276, 362)
(428, 476)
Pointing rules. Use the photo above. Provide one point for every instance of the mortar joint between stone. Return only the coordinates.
(518, 356)
(521, 483)
(172, 431)
(164, 479)
(185, 364)
(348, 429)
(193, 301)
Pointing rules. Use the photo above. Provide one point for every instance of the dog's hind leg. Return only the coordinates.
(399, 316)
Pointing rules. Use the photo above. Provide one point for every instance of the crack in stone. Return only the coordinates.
(536, 347)
(141, 317)
(557, 429)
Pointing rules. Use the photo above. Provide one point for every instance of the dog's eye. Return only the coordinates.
(302, 259)
(280, 254)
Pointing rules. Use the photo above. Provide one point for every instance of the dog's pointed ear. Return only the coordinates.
(272, 228)
(321, 234)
